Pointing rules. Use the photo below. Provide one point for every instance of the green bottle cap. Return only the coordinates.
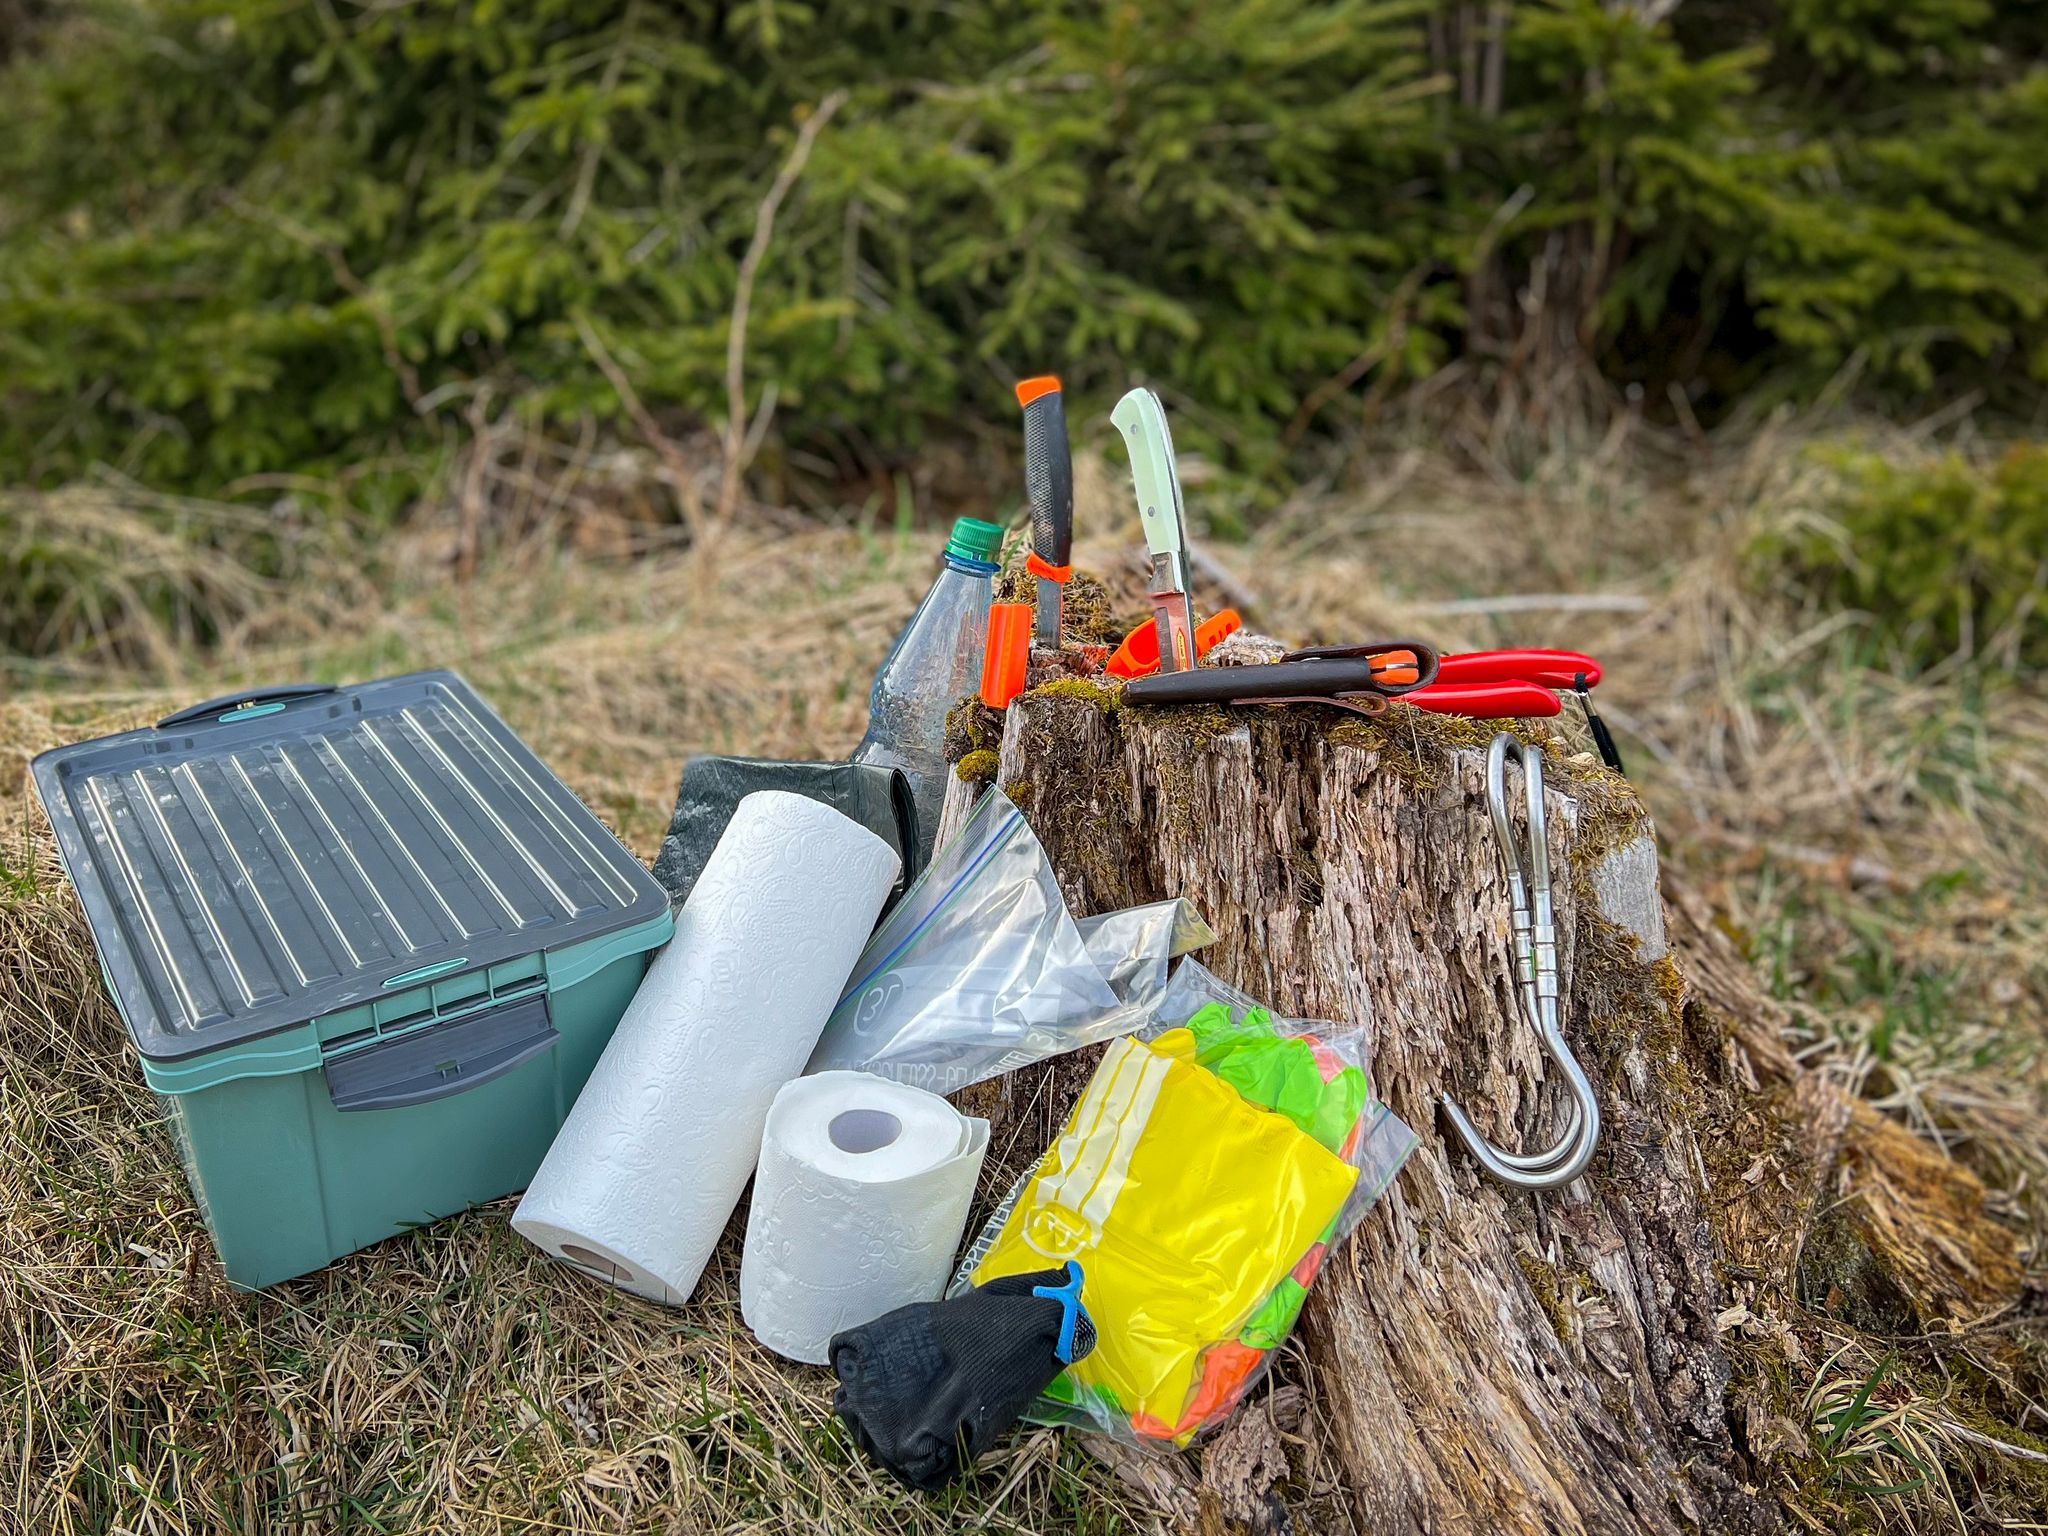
(974, 539)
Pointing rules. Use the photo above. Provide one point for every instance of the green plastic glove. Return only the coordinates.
(1278, 1072)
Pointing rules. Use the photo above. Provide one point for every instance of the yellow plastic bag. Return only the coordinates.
(1185, 1205)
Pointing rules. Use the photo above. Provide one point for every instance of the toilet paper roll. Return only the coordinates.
(646, 1170)
(858, 1207)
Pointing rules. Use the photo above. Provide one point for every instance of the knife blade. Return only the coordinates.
(1142, 420)
(1049, 484)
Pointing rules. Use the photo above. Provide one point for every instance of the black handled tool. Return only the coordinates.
(1049, 483)
(1348, 682)
(1398, 666)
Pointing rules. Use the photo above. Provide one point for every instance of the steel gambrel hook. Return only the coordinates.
(1533, 916)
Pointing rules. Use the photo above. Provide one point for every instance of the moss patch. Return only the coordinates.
(1082, 689)
(1416, 745)
(979, 766)
(971, 726)
(1629, 1003)
(1070, 741)
(1198, 724)
(1611, 813)
(1754, 1217)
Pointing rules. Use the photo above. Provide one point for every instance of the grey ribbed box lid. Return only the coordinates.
(262, 860)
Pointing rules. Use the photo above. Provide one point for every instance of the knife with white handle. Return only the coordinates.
(1142, 420)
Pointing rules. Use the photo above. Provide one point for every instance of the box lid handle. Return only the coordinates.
(442, 1059)
(251, 700)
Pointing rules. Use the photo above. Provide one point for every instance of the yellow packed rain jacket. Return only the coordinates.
(1184, 1205)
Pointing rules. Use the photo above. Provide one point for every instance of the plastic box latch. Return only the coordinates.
(444, 1059)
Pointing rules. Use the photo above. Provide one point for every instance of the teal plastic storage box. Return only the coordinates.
(367, 946)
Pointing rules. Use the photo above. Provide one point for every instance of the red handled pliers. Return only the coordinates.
(1498, 685)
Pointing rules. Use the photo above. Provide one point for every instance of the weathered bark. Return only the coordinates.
(1478, 1359)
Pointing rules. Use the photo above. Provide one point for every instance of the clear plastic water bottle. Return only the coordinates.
(935, 663)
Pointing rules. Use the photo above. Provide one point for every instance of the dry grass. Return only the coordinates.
(1878, 844)
(454, 1379)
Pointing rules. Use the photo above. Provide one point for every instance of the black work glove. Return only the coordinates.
(927, 1388)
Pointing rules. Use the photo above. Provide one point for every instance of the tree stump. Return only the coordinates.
(1477, 1358)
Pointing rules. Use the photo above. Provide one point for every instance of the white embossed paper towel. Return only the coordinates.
(646, 1170)
(858, 1206)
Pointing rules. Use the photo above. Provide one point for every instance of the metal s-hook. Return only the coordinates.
(1533, 917)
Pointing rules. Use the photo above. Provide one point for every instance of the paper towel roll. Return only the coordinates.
(644, 1173)
(858, 1206)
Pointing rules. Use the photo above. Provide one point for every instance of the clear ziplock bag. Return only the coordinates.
(1214, 1161)
(981, 969)
(1135, 947)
